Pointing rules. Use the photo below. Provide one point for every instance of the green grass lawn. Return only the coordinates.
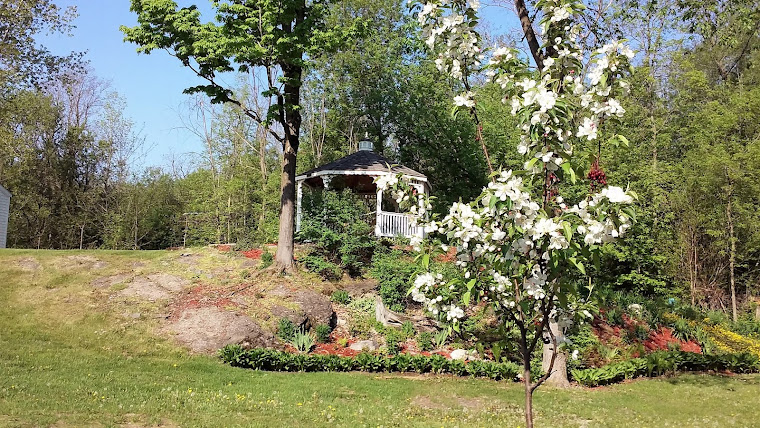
(70, 357)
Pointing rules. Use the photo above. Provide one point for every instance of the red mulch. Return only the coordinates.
(449, 257)
(659, 339)
(335, 349)
(224, 248)
(254, 253)
(200, 296)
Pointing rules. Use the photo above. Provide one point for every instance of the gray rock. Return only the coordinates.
(312, 310)
(208, 329)
(364, 345)
(459, 354)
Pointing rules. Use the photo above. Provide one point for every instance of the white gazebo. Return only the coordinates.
(357, 172)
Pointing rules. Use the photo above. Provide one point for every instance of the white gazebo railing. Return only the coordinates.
(395, 224)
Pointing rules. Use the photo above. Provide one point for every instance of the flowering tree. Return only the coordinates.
(519, 243)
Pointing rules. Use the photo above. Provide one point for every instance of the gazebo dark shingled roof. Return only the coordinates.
(363, 160)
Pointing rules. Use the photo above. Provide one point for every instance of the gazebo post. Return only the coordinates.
(378, 211)
(422, 189)
(299, 197)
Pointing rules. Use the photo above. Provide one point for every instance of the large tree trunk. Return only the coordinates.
(558, 375)
(284, 256)
(291, 117)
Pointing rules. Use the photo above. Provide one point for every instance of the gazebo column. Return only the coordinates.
(420, 188)
(326, 179)
(299, 197)
(378, 211)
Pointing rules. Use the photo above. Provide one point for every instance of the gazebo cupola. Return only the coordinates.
(357, 172)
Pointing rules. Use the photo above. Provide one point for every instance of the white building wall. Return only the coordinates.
(5, 203)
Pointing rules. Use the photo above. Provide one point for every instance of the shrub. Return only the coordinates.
(286, 329)
(267, 259)
(747, 327)
(682, 330)
(393, 271)
(638, 333)
(365, 305)
(393, 339)
(425, 341)
(407, 328)
(716, 318)
(689, 312)
(269, 359)
(615, 316)
(362, 317)
(322, 333)
(662, 362)
(341, 297)
(322, 267)
(335, 223)
(343, 342)
(361, 325)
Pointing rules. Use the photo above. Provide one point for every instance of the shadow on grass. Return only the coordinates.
(712, 379)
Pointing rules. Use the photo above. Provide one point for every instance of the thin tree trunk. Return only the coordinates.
(264, 177)
(528, 393)
(530, 35)
(526, 379)
(732, 250)
(693, 271)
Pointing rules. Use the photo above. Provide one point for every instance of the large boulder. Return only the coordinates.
(207, 329)
(305, 308)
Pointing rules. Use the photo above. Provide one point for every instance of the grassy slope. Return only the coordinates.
(69, 357)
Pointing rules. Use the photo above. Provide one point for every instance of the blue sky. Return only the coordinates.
(151, 84)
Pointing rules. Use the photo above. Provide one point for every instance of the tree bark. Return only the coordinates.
(290, 117)
(558, 376)
(525, 352)
(732, 249)
(530, 35)
(528, 394)
(284, 256)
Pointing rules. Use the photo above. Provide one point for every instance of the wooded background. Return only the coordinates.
(69, 155)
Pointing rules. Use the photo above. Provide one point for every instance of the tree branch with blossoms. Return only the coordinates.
(520, 246)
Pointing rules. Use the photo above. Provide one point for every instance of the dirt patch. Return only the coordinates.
(29, 264)
(207, 329)
(78, 262)
(110, 281)
(425, 402)
(359, 288)
(189, 259)
(464, 403)
(133, 420)
(154, 287)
